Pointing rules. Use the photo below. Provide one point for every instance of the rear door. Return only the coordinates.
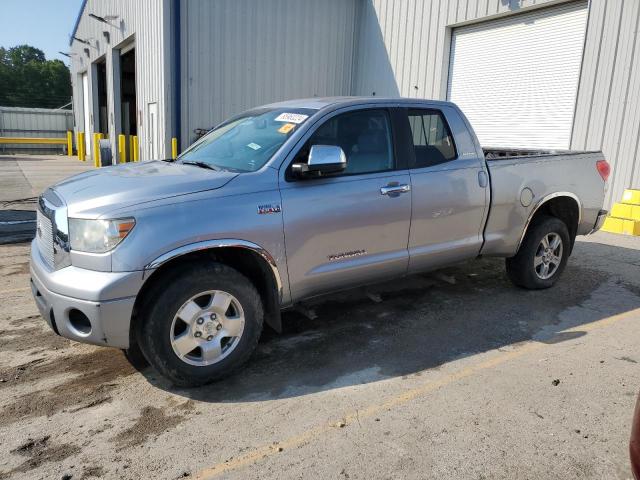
(350, 228)
(450, 188)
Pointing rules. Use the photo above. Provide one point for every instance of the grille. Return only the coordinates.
(44, 236)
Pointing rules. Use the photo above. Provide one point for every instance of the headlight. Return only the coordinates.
(98, 236)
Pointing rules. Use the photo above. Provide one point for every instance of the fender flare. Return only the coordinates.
(541, 202)
(274, 319)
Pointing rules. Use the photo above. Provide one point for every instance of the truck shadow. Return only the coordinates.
(422, 322)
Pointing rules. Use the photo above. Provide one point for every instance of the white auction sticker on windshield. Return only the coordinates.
(291, 117)
(254, 146)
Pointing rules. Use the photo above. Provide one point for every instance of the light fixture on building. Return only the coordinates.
(80, 40)
(86, 51)
(98, 18)
(67, 54)
(107, 36)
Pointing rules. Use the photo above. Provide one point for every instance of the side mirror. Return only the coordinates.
(323, 160)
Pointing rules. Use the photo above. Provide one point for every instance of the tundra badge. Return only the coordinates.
(269, 208)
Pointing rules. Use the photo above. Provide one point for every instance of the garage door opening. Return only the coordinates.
(516, 78)
(128, 97)
(86, 111)
(101, 83)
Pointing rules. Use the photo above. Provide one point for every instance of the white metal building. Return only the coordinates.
(528, 73)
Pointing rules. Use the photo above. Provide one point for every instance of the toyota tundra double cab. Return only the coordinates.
(186, 259)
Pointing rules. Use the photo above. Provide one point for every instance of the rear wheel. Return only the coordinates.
(205, 324)
(542, 256)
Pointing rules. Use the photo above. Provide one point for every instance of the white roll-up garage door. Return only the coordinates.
(516, 78)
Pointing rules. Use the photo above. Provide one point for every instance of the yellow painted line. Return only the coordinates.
(265, 451)
(15, 290)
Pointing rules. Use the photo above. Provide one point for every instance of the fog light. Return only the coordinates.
(79, 321)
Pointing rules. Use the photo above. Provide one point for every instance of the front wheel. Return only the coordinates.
(542, 256)
(202, 326)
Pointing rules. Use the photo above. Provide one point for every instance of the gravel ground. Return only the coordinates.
(456, 374)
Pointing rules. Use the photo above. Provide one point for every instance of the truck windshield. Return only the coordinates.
(247, 142)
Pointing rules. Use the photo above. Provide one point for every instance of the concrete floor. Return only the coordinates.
(473, 379)
(24, 176)
(22, 179)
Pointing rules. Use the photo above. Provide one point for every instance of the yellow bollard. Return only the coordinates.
(96, 149)
(122, 148)
(174, 148)
(69, 143)
(131, 148)
(136, 149)
(81, 147)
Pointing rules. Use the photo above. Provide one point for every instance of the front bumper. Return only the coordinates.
(602, 216)
(105, 301)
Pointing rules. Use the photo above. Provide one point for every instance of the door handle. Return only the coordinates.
(395, 190)
(482, 179)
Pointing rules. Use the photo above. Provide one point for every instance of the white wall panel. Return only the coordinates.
(608, 107)
(149, 23)
(607, 111)
(238, 54)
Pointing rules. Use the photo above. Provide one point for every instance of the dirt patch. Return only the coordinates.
(152, 422)
(32, 332)
(15, 269)
(92, 472)
(19, 322)
(188, 406)
(40, 451)
(92, 378)
(626, 359)
(32, 445)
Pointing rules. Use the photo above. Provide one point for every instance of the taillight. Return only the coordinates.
(604, 169)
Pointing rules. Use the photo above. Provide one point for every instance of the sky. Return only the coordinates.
(44, 24)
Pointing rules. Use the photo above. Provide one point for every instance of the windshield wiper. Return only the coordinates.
(201, 165)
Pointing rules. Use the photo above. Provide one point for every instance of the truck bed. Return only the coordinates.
(508, 153)
(543, 174)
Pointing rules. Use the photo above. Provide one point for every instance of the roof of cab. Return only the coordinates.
(318, 103)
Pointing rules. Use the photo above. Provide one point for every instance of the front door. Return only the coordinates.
(350, 228)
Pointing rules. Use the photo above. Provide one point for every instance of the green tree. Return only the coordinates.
(28, 79)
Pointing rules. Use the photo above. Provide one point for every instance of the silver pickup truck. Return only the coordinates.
(185, 260)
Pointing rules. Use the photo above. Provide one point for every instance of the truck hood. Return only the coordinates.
(95, 193)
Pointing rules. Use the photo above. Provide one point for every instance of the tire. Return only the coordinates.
(170, 325)
(525, 268)
(135, 357)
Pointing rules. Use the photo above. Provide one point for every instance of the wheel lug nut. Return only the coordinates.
(209, 338)
(213, 316)
(200, 321)
(197, 334)
(219, 327)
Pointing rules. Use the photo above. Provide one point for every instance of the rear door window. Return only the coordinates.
(432, 140)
